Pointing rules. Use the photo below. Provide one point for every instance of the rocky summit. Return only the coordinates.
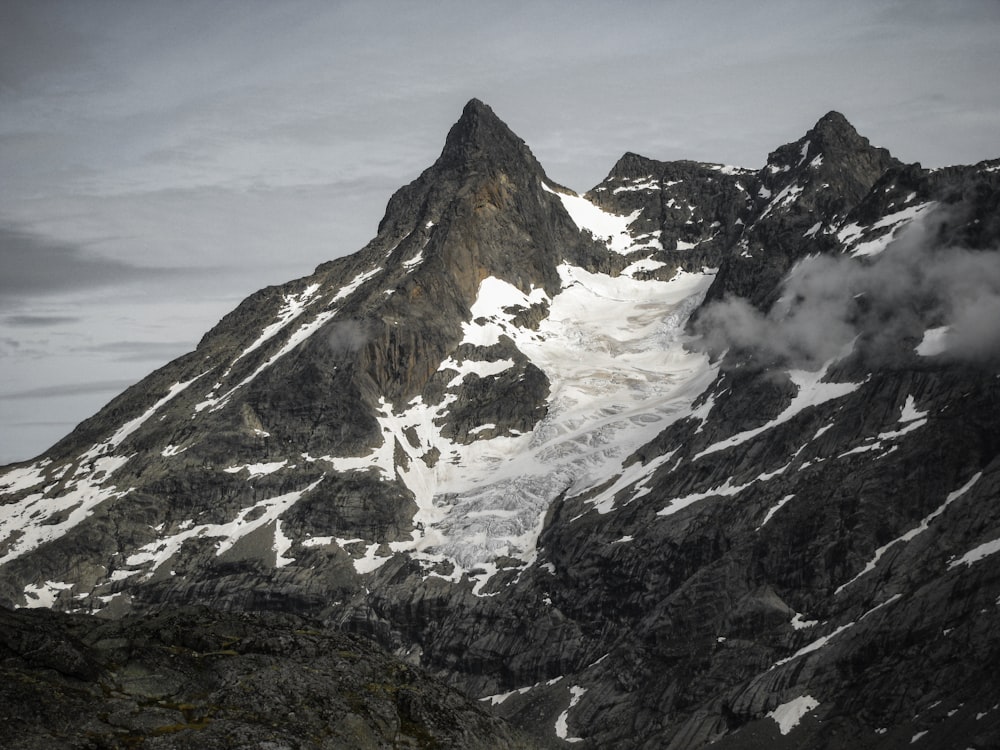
(705, 455)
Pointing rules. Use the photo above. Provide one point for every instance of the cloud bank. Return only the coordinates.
(887, 303)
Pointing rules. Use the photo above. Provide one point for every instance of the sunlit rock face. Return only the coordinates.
(705, 455)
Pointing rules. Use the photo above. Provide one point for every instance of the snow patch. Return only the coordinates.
(609, 227)
(152, 555)
(415, 261)
(788, 195)
(726, 488)
(798, 622)
(482, 369)
(788, 715)
(910, 412)
(644, 265)
(352, 286)
(774, 509)
(562, 730)
(257, 470)
(976, 554)
(44, 594)
(37, 519)
(281, 545)
(852, 233)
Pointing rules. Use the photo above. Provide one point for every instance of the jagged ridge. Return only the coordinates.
(483, 441)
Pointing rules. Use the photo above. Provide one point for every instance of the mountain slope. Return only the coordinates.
(705, 455)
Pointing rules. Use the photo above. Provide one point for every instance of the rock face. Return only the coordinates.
(194, 678)
(708, 455)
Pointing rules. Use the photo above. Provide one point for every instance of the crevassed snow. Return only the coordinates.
(612, 228)
(918, 529)
(613, 351)
(788, 715)
(562, 730)
(811, 392)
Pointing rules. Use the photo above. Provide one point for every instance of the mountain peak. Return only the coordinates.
(479, 135)
(833, 119)
(477, 108)
(834, 129)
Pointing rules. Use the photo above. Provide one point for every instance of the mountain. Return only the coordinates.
(707, 455)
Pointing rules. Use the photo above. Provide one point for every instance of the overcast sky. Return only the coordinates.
(161, 160)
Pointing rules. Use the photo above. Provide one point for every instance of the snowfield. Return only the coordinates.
(613, 351)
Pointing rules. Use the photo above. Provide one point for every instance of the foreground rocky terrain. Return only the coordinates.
(707, 455)
(197, 678)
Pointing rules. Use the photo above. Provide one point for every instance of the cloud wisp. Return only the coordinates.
(887, 303)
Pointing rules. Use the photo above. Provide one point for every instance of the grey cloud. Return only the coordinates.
(140, 351)
(827, 301)
(34, 41)
(39, 321)
(35, 265)
(70, 389)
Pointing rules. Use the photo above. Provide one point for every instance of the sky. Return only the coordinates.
(162, 160)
